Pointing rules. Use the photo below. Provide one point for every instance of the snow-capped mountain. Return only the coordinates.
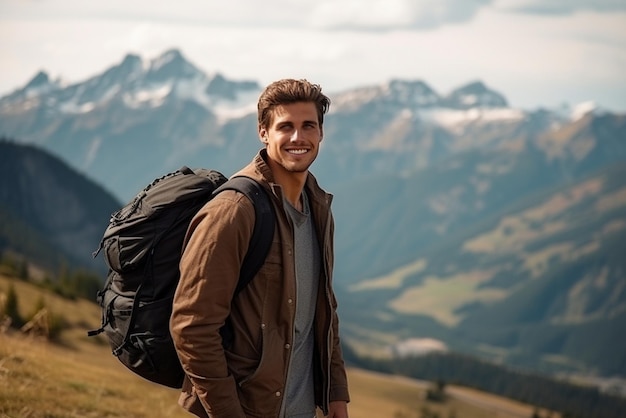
(475, 94)
(39, 86)
(149, 114)
(135, 83)
(395, 93)
(417, 95)
(152, 116)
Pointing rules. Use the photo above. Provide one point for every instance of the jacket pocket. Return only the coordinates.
(271, 272)
(241, 367)
(262, 391)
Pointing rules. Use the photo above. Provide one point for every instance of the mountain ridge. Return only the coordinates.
(53, 206)
(199, 109)
(449, 208)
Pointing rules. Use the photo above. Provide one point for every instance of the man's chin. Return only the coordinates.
(299, 167)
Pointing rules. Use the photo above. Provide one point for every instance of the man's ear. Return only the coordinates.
(263, 135)
(321, 133)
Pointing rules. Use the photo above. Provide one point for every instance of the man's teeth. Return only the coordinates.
(297, 151)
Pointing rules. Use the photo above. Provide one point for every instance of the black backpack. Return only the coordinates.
(142, 248)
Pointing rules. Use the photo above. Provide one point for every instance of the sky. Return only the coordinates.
(537, 53)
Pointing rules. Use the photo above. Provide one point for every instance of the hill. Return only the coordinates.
(49, 213)
(77, 376)
(537, 283)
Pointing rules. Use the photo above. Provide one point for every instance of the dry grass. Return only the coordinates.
(78, 377)
(75, 377)
(43, 380)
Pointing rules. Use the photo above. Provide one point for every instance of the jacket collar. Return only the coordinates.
(259, 170)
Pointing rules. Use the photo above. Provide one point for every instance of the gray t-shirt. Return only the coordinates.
(299, 399)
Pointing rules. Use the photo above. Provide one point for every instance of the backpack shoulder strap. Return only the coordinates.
(264, 225)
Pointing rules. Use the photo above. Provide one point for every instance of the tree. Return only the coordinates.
(437, 393)
(11, 307)
(22, 270)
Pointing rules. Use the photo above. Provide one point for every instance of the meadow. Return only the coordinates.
(76, 376)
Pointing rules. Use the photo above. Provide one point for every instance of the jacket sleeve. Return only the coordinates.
(338, 378)
(216, 243)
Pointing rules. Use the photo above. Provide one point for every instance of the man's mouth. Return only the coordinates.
(298, 151)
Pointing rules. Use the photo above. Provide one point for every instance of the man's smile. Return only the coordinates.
(298, 151)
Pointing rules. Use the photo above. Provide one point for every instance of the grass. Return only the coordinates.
(378, 395)
(44, 380)
(441, 297)
(78, 377)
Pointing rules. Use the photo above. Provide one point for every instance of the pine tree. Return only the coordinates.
(22, 270)
(11, 308)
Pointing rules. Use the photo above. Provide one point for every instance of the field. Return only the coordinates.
(78, 377)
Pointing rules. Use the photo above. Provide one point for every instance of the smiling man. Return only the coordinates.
(282, 357)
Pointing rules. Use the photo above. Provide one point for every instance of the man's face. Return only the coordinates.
(292, 140)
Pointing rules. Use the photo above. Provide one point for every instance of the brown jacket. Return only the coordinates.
(246, 378)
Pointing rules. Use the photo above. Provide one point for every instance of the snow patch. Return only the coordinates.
(71, 107)
(582, 109)
(163, 60)
(469, 100)
(193, 89)
(353, 99)
(38, 91)
(153, 97)
(110, 93)
(453, 118)
(243, 105)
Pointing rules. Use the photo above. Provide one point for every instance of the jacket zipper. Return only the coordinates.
(330, 310)
(293, 330)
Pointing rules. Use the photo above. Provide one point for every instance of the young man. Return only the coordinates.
(283, 357)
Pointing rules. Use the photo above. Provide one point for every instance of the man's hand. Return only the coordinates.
(338, 409)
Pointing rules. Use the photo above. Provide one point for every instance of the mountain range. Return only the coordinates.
(493, 230)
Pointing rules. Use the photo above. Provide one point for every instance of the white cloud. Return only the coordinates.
(392, 14)
(307, 14)
(559, 7)
(532, 59)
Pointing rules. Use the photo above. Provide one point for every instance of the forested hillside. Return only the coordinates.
(49, 212)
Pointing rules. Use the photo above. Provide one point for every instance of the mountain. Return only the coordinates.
(473, 95)
(495, 230)
(532, 278)
(136, 119)
(48, 211)
(145, 118)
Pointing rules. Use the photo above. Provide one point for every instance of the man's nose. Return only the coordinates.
(296, 135)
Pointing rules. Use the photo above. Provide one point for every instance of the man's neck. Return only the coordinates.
(292, 184)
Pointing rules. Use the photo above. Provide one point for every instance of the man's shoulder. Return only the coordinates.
(228, 204)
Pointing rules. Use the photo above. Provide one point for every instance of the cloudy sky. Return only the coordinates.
(536, 52)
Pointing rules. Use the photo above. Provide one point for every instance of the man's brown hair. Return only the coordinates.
(288, 91)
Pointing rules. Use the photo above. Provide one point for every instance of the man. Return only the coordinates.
(283, 356)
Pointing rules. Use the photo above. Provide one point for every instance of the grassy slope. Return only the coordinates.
(78, 377)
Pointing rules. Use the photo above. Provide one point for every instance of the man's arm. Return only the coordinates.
(338, 377)
(209, 275)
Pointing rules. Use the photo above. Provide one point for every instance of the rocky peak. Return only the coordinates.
(221, 87)
(412, 93)
(475, 94)
(39, 80)
(171, 65)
